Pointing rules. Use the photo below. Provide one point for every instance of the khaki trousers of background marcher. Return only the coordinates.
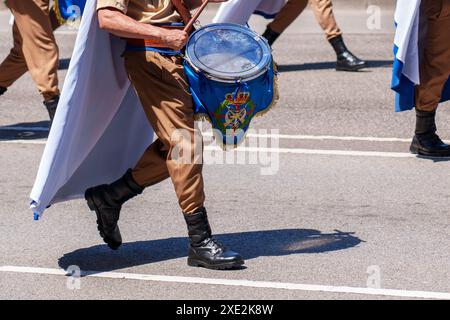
(162, 87)
(35, 48)
(323, 10)
(435, 60)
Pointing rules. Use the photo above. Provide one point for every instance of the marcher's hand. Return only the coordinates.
(175, 39)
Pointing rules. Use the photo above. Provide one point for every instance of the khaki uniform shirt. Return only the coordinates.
(145, 11)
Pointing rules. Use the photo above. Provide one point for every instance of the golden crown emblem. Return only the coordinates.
(241, 98)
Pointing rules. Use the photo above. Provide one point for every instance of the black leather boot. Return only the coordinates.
(2, 90)
(51, 106)
(270, 35)
(346, 61)
(107, 201)
(204, 250)
(426, 142)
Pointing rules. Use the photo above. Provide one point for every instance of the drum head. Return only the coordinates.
(228, 51)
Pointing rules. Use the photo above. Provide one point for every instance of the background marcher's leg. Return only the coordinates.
(291, 11)
(323, 11)
(434, 73)
(38, 44)
(346, 61)
(14, 66)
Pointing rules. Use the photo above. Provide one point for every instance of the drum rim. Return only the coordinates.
(262, 67)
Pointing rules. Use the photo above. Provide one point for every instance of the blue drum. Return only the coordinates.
(232, 78)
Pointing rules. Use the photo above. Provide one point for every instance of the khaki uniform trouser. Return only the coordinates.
(163, 89)
(34, 49)
(435, 58)
(323, 10)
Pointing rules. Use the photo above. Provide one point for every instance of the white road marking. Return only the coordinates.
(322, 152)
(322, 138)
(235, 283)
(268, 136)
(351, 153)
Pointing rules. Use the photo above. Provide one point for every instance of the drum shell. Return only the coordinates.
(223, 80)
(210, 95)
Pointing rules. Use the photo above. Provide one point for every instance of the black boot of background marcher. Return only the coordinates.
(107, 201)
(2, 90)
(204, 250)
(270, 35)
(426, 142)
(51, 106)
(346, 61)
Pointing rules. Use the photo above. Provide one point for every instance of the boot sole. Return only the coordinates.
(354, 69)
(417, 151)
(351, 69)
(223, 266)
(93, 207)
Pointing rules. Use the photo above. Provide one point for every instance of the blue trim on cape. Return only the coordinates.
(265, 15)
(404, 88)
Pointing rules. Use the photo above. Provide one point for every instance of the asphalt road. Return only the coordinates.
(348, 208)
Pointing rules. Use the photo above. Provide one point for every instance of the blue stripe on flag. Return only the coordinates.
(404, 88)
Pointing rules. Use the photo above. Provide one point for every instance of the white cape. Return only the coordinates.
(407, 16)
(239, 11)
(100, 129)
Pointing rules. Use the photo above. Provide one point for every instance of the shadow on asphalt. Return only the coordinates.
(330, 65)
(25, 131)
(250, 245)
(434, 159)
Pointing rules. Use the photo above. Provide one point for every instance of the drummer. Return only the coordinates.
(157, 74)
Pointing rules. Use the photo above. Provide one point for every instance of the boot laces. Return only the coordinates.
(215, 244)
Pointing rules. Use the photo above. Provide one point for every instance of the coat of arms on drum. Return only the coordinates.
(235, 112)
